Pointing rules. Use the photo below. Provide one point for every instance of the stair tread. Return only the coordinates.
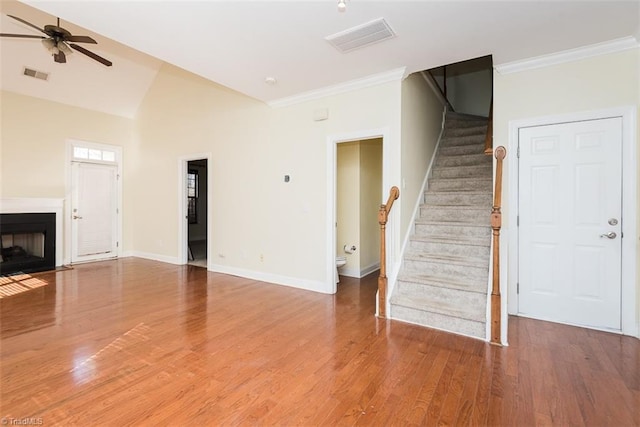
(463, 178)
(456, 207)
(440, 306)
(447, 259)
(457, 283)
(470, 241)
(462, 224)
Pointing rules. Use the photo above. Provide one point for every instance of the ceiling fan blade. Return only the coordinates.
(60, 57)
(80, 39)
(27, 23)
(91, 55)
(22, 36)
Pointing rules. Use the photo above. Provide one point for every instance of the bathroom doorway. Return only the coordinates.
(359, 191)
(196, 213)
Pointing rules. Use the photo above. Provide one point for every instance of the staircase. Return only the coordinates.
(444, 276)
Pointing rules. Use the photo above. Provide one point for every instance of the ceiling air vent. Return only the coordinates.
(35, 73)
(361, 35)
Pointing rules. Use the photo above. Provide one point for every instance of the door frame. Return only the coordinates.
(629, 292)
(332, 182)
(183, 224)
(67, 223)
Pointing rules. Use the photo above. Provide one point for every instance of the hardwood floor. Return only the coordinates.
(144, 343)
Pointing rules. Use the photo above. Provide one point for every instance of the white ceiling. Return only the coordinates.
(240, 43)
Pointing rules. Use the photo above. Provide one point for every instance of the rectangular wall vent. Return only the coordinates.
(36, 74)
(361, 35)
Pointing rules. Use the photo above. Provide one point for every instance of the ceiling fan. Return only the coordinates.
(59, 41)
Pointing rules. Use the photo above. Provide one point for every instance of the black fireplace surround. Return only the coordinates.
(17, 228)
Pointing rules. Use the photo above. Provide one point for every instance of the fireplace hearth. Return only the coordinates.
(27, 242)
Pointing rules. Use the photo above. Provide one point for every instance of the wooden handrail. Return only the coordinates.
(488, 139)
(443, 90)
(383, 216)
(496, 224)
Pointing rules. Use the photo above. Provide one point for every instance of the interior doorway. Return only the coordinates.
(197, 211)
(358, 198)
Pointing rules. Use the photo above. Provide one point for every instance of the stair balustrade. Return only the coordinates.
(496, 224)
(383, 216)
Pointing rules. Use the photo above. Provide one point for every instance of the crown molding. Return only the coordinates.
(372, 80)
(612, 46)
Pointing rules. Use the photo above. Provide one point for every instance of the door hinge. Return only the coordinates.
(518, 221)
(518, 288)
(117, 210)
(117, 176)
(117, 244)
(518, 152)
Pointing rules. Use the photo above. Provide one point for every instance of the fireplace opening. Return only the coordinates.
(27, 242)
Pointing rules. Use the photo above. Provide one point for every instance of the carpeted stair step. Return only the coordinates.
(479, 171)
(416, 283)
(457, 150)
(465, 140)
(446, 265)
(444, 213)
(468, 198)
(466, 131)
(453, 229)
(445, 315)
(466, 160)
(446, 245)
(460, 184)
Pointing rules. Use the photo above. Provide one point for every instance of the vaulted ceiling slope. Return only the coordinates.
(240, 43)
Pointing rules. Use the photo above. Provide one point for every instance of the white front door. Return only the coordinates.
(570, 205)
(94, 211)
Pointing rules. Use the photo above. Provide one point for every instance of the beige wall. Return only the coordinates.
(259, 222)
(596, 83)
(421, 125)
(34, 135)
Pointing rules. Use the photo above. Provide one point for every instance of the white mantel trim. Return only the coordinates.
(39, 205)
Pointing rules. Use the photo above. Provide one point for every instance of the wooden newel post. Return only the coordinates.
(496, 224)
(383, 216)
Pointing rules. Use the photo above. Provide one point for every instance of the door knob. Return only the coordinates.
(609, 235)
(77, 217)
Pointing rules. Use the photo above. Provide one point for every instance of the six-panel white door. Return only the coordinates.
(94, 211)
(570, 203)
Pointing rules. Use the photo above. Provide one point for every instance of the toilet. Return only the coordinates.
(340, 261)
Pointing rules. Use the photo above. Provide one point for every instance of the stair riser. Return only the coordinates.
(460, 184)
(439, 321)
(453, 231)
(457, 150)
(446, 270)
(462, 172)
(459, 199)
(456, 249)
(458, 124)
(474, 299)
(468, 160)
(460, 141)
(475, 131)
(431, 213)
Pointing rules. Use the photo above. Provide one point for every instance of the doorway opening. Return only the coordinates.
(358, 196)
(196, 213)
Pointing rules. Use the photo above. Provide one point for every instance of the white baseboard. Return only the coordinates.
(156, 257)
(294, 282)
(359, 273)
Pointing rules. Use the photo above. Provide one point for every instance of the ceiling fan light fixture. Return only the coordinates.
(49, 44)
(62, 46)
(342, 5)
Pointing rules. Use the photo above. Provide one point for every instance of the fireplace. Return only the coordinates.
(27, 242)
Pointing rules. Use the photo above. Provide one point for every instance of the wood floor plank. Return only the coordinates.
(139, 342)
